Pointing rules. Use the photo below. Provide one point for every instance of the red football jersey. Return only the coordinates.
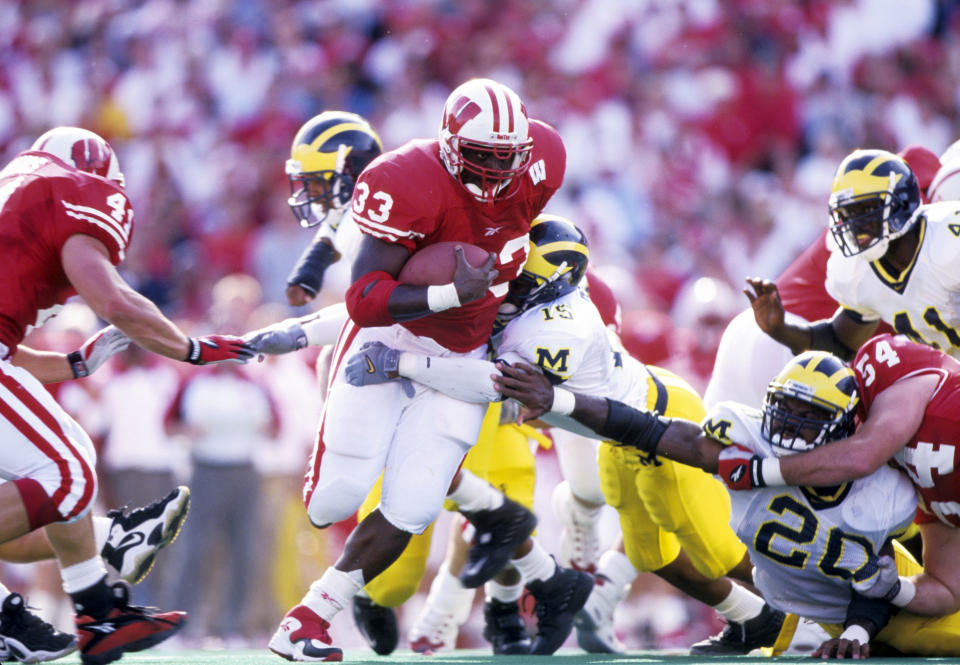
(43, 201)
(802, 284)
(932, 457)
(605, 300)
(406, 196)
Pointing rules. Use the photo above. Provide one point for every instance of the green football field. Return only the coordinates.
(470, 657)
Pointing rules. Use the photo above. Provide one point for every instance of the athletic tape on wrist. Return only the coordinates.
(564, 402)
(442, 297)
(856, 633)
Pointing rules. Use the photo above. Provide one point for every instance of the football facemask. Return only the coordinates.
(812, 401)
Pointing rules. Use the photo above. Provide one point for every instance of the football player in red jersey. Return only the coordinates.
(487, 175)
(66, 223)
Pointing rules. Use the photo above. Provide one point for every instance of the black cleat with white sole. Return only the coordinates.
(26, 638)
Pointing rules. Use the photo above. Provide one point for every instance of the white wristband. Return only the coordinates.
(907, 591)
(564, 402)
(770, 472)
(442, 297)
(856, 632)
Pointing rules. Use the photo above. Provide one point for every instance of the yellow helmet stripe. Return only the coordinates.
(312, 160)
(343, 127)
(539, 266)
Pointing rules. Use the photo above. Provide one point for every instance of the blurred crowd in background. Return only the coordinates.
(701, 136)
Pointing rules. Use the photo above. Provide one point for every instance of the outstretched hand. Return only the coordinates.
(214, 349)
(472, 283)
(765, 301)
(526, 384)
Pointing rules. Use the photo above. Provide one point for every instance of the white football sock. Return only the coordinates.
(536, 564)
(332, 592)
(473, 494)
(740, 605)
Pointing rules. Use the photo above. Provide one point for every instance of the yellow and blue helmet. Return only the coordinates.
(874, 200)
(812, 401)
(327, 156)
(557, 260)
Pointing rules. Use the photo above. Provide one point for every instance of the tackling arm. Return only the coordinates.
(87, 265)
(895, 416)
(677, 439)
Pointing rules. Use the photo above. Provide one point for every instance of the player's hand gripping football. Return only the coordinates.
(214, 349)
(527, 385)
(375, 363)
(97, 350)
(473, 283)
(767, 308)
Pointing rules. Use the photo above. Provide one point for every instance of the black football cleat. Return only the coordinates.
(377, 624)
(504, 628)
(498, 533)
(558, 599)
(26, 638)
(742, 638)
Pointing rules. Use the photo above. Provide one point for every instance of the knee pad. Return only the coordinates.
(411, 518)
(335, 501)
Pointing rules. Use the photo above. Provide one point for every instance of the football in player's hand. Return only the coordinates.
(436, 263)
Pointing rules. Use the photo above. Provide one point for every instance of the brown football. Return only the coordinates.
(436, 263)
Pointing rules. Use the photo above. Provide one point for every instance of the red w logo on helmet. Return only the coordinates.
(91, 156)
(460, 112)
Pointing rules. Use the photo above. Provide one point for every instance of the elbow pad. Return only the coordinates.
(633, 427)
(824, 338)
(368, 298)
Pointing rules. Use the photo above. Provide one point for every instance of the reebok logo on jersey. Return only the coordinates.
(491, 230)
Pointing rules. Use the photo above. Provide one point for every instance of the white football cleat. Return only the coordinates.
(447, 608)
(137, 536)
(594, 623)
(580, 537)
(305, 638)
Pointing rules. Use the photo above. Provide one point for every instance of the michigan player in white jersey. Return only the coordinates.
(674, 518)
(816, 550)
(896, 262)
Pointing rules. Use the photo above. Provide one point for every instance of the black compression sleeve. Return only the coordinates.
(640, 429)
(871, 613)
(824, 338)
(308, 273)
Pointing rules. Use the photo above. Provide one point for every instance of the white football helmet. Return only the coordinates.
(945, 186)
(485, 138)
(83, 150)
